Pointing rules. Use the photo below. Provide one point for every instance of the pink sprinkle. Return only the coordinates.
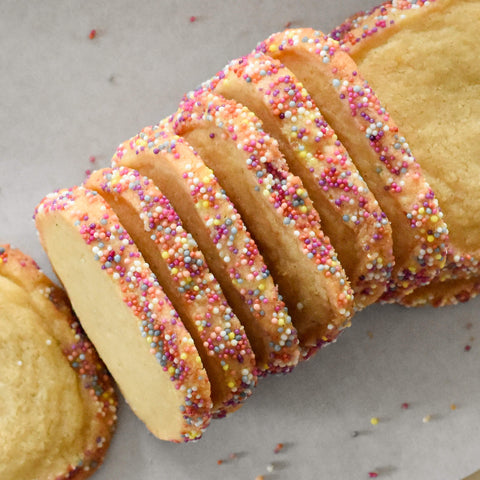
(372, 474)
(405, 405)
(92, 34)
(193, 18)
(468, 348)
(92, 159)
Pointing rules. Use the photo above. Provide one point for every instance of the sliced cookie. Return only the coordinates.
(276, 209)
(422, 60)
(126, 314)
(350, 214)
(231, 253)
(378, 149)
(181, 270)
(58, 401)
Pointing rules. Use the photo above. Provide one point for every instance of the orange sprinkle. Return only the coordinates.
(92, 34)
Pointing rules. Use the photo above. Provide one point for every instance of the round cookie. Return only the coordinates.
(422, 60)
(126, 314)
(350, 214)
(231, 253)
(276, 209)
(59, 406)
(181, 270)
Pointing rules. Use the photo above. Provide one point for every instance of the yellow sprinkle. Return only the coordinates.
(453, 406)
(164, 254)
(304, 209)
(434, 219)
(171, 370)
(421, 210)
(261, 287)
(205, 204)
(225, 367)
(174, 270)
(374, 420)
(430, 238)
(231, 384)
(217, 222)
(427, 418)
(183, 356)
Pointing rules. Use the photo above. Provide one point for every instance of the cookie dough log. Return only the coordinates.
(181, 270)
(435, 44)
(126, 314)
(276, 209)
(59, 406)
(217, 227)
(378, 149)
(351, 217)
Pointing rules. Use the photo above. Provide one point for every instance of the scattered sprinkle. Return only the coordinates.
(374, 420)
(19, 363)
(278, 447)
(259, 477)
(405, 405)
(193, 18)
(372, 474)
(426, 418)
(270, 468)
(92, 34)
(219, 462)
(453, 407)
(92, 159)
(467, 348)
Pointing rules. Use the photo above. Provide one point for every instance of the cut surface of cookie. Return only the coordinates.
(126, 314)
(231, 253)
(276, 209)
(181, 270)
(350, 214)
(378, 149)
(58, 402)
(423, 63)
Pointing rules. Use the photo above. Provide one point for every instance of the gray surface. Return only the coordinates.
(64, 98)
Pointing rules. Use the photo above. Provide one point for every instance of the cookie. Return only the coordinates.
(377, 147)
(181, 270)
(351, 217)
(126, 314)
(59, 406)
(276, 209)
(217, 227)
(422, 62)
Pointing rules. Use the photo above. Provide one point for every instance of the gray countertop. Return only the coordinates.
(66, 99)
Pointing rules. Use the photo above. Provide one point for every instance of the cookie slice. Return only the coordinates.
(59, 406)
(276, 209)
(377, 147)
(423, 63)
(181, 270)
(231, 253)
(350, 214)
(126, 314)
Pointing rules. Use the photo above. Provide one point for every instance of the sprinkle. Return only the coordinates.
(92, 34)
(426, 418)
(453, 407)
(19, 363)
(259, 477)
(278, 447)
(372, 474)
(374, 420)
(219, 462)
(405, 405)
(270, 468)
(92, 159)
(193, 18)
(467, 348)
